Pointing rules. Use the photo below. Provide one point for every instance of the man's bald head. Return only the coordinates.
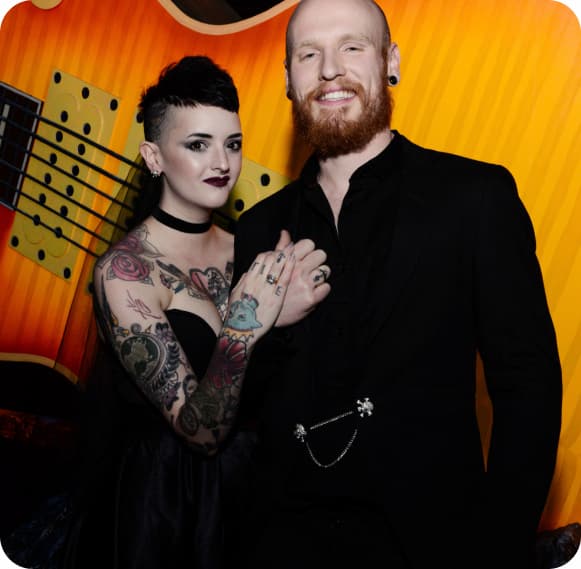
(373, 7)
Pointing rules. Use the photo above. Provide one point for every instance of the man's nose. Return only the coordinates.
(331, 65)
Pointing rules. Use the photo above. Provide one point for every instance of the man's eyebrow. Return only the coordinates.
(345, 37)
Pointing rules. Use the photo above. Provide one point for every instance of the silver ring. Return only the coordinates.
(271, 279)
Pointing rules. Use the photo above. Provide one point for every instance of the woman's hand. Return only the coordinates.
(257, 299)
(308, 285)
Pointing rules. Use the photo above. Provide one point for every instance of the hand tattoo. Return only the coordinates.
(242, 315)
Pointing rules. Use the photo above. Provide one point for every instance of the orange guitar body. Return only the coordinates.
(497, 81)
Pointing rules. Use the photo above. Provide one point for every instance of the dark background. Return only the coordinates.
(223, 11)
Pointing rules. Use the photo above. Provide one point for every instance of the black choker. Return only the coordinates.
(180, 224)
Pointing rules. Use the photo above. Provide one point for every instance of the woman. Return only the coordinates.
(179, 341)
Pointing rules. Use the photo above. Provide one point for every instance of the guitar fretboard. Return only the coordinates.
(69, 191)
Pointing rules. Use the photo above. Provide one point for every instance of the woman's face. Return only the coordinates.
(200, 154)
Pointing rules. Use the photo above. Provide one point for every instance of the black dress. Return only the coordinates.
(146, 500)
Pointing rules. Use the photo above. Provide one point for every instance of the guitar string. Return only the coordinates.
(72, 177)
(79, 159)
(27, 154)
(66, 129)
(55, 230)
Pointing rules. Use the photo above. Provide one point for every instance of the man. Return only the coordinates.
(370, 454)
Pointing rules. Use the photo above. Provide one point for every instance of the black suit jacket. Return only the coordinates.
(462, 277)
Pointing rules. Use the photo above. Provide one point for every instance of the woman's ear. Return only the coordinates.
(150, 153)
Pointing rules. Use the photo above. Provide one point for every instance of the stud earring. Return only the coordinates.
(154, 174)
(393, 80)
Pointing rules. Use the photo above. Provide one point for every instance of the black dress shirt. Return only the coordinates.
(337, 328)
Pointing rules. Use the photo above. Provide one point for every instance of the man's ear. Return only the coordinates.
(286, 79)
(393, 61)
(150, 153)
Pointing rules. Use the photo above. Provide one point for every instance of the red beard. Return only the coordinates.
(332, 135)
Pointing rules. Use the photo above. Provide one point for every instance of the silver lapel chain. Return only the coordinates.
(363, 407)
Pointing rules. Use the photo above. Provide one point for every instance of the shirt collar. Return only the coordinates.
(378, 167)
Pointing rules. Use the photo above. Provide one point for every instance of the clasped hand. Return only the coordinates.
(257, 299)
(307, 286)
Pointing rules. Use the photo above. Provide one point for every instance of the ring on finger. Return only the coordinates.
(321, 275)
(271, 279)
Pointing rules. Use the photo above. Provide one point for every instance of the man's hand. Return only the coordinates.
(308, 284)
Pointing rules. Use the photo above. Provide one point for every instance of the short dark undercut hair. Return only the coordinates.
(191, 81)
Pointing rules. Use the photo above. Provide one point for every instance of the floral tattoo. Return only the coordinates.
(130, 259)
(209, 284)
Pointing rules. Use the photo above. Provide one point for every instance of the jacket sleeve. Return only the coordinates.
(517, 342)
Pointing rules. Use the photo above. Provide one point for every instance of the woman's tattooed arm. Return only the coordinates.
(202, 410)
(129, 306)
(213, 404)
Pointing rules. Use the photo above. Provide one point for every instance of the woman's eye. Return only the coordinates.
(197, 145)
(235, 145)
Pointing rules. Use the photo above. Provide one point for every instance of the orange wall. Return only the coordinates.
(496, 80)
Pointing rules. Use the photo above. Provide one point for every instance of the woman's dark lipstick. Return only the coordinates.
(219, 182)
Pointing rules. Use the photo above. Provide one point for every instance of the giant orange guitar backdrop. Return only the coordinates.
(497, 80)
